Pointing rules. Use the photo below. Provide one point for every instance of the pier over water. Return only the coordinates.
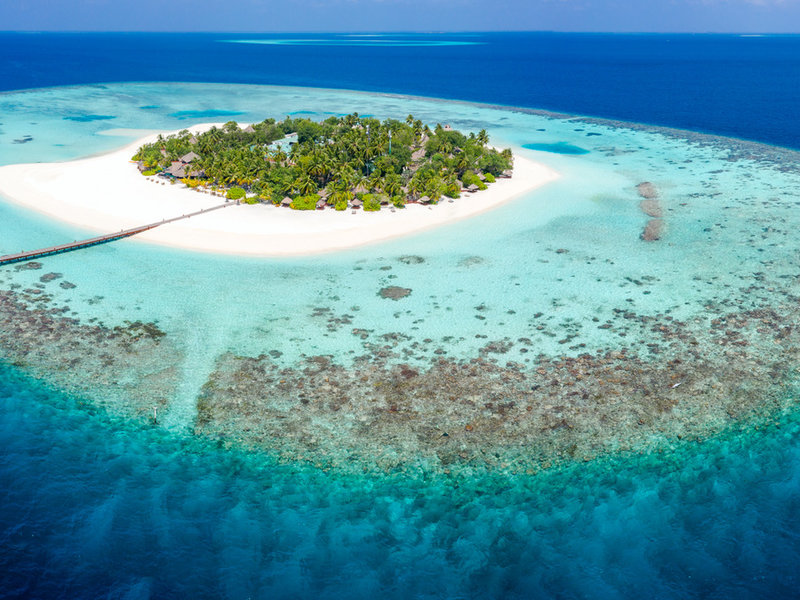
(96, 241)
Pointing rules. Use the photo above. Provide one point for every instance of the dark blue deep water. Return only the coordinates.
(94, 508)
(745, 87)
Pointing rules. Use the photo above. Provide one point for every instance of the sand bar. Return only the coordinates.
(106, 193)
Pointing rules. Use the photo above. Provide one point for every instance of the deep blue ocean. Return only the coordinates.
(94, 507)
(738, 86)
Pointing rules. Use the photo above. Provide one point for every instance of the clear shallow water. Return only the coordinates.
(377, 41)
(711, 518)
(557, 148)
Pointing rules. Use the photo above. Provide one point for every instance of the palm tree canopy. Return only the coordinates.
(346, 155)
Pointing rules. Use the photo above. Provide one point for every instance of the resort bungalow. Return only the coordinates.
(177, 170)
(183, 167)
(187, 158)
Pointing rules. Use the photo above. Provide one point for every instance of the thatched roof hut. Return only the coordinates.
(321, 204)
(507, 173)
(361, 189)
(176, 170)
(472, 188)
(187, 158)
(355, 203)
(249, 129)
(425, 199)
(286, 201)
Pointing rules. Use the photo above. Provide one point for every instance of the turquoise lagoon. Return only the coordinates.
(689, 490)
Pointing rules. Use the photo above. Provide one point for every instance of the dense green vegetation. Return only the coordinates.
(342, 161)
(236, 193)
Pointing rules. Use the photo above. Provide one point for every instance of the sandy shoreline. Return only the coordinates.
(106, 193)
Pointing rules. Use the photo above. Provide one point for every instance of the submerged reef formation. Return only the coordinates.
(651, 206)
(671, 382)
(686, 382)
(127, 369)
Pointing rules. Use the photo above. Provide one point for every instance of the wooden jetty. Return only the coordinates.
(102, 239)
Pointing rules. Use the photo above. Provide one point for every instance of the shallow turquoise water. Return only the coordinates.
(147, 511)
(556, 148)
(376, 41)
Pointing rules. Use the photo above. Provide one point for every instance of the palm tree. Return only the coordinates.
(434, 187)
(463, 162)
(305, 185)
(392, 184)
(418, 130)
(337, 196)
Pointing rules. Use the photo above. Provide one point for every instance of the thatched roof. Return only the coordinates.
(198, 173)
(361, 189)
(176, 170)
(249, 129)
(187, 158)
(356, 202)
(472, 188)
(507, 173)
(425, 199)
(286, 201)
(418, 155)
(320, 204)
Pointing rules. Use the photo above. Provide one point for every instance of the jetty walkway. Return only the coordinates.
(102, 239)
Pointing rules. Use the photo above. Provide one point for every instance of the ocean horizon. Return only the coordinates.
(559, 406)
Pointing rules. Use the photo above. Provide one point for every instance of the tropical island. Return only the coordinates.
(341, 162)
(297, 163)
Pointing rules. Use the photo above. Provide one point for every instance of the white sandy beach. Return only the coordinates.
(107, 193)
